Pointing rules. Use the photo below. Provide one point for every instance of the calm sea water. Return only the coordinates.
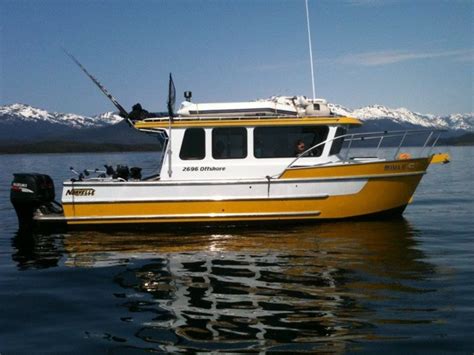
(400, 285)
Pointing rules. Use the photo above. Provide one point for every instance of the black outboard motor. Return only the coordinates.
(30, 191)
(135, 173)
(122, 172)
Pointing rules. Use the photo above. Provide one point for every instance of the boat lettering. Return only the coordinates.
(80, 192)
(392, 167)
(203, 168)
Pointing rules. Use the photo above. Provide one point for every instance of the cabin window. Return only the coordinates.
(194, 144)
(337, 144)
(280, 142)
(316, 107)
(229, 143)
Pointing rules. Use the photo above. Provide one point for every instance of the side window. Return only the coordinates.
(229, 143)
(285, 142)
(337, 144)
(194, 144)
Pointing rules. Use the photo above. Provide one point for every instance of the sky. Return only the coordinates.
(417, 54)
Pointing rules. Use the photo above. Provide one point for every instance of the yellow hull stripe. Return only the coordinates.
(203, 199)
(193, 217)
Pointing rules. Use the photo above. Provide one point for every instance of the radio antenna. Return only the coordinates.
(310, 50)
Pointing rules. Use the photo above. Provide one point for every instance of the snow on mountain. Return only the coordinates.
(15, 114)
(340, 110)
(464, 121)
(23, 124)
(404, 116)
(24, 113)
(109, 118)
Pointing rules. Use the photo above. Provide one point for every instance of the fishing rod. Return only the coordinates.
(122, 111)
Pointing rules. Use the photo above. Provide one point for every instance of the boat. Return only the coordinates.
(285, 159)
(236, 163)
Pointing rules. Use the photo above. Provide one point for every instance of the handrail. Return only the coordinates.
(239, 117)
(370, 136)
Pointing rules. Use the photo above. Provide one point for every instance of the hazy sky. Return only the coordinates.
(418, 54)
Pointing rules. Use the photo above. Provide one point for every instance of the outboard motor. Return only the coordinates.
(135, 173)
(30, 192)
(122, 172)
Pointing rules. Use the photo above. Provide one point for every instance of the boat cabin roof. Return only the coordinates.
(184, 122)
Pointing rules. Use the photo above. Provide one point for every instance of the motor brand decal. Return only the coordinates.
(19, 187)
(80, 192)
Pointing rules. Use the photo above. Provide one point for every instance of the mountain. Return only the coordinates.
(465, 139)
(24, 124)
(401, 118)
(13, 113)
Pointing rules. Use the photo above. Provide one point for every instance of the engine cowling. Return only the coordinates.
(30, 191)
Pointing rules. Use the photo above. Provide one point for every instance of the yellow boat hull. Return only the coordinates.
(389, 187)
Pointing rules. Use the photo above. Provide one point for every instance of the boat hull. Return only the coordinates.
(299, 194)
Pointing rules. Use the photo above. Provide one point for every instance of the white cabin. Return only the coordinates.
(242, 140)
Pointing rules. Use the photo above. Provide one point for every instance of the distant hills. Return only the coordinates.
(465, 139)
(26, 129)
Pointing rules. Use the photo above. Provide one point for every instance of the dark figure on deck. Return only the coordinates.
(138, 113)
(299, 147)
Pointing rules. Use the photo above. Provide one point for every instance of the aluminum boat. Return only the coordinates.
(242, 162)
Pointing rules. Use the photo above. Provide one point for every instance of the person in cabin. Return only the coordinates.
(138, 113)
(299, 147)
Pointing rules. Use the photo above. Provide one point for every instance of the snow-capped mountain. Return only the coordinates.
(404, 117)
(21, 123)
(16, 113)
(19, 112)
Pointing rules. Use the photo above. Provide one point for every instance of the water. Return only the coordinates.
(399, 285)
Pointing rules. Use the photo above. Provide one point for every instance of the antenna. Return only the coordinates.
(310, 49)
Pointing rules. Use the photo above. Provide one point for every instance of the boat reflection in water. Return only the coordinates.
(305, 288)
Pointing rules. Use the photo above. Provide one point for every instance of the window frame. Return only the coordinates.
(323, 132)
(191, 157)
(337, 143)
(245, 144)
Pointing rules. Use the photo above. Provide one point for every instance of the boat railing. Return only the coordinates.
(239, 117)
(432, 137)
